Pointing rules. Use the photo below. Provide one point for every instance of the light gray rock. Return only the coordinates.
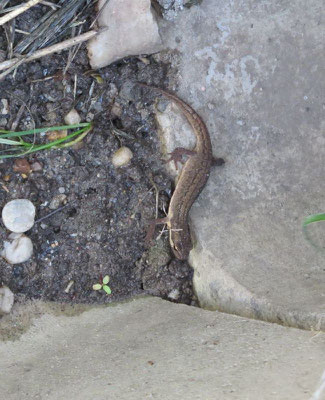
(152, 349)
(6, 300)
(131, 30)
(254, 72)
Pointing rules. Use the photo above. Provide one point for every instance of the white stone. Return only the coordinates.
(19, 250)
(122, 157)
(131, 30)
(72, 118)
(6, 300)
(18, 215)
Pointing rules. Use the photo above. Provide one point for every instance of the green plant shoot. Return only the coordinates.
(103, 285)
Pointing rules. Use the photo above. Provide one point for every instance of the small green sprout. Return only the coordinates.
(103, 285)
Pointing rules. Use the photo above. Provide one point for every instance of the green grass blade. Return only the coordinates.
(7, 134)
(309, 220)
(10, 142)
(314, 218)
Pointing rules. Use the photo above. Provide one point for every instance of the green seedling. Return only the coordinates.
(309, 220)
(15, 146)
(103, 285)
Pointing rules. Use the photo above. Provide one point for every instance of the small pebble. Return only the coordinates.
(18, 215)
(116, 110)
(90, 117)
(19, 250)
(57, 201)
(67, 289)
(174, 294)
(4, 107)
(36, 166)
(6, 300)
(61, 190)
(122, 157)
(72, 117)
(145, 60)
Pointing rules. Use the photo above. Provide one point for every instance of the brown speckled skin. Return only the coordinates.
(191, 181)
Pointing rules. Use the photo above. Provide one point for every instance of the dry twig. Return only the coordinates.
(48, 50)
(19, 10)
(18, 117)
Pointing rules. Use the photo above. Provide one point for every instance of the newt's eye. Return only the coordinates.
(180, 251)
(178, 247)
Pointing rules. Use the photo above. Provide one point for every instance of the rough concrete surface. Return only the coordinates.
(152, 349)
(254, 71)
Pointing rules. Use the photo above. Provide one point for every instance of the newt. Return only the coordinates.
(192, 179)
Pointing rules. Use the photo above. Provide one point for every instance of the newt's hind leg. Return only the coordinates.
(152, 226)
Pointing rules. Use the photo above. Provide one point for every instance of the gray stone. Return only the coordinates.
(254, 72)
(151, 349)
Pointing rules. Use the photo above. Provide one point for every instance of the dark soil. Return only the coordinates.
(101, 229)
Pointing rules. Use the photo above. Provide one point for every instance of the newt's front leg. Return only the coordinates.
(177, 155)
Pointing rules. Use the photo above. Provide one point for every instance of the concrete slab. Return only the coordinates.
(152, 349)
(254, 71)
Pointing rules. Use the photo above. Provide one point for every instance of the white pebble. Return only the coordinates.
(72, 117)
(19, 250)
(18, 215)
(122, 157)
(6, 300)
(174, 294)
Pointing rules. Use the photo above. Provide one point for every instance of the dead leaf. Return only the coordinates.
(55, 135)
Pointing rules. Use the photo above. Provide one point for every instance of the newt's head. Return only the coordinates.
(180, 242)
